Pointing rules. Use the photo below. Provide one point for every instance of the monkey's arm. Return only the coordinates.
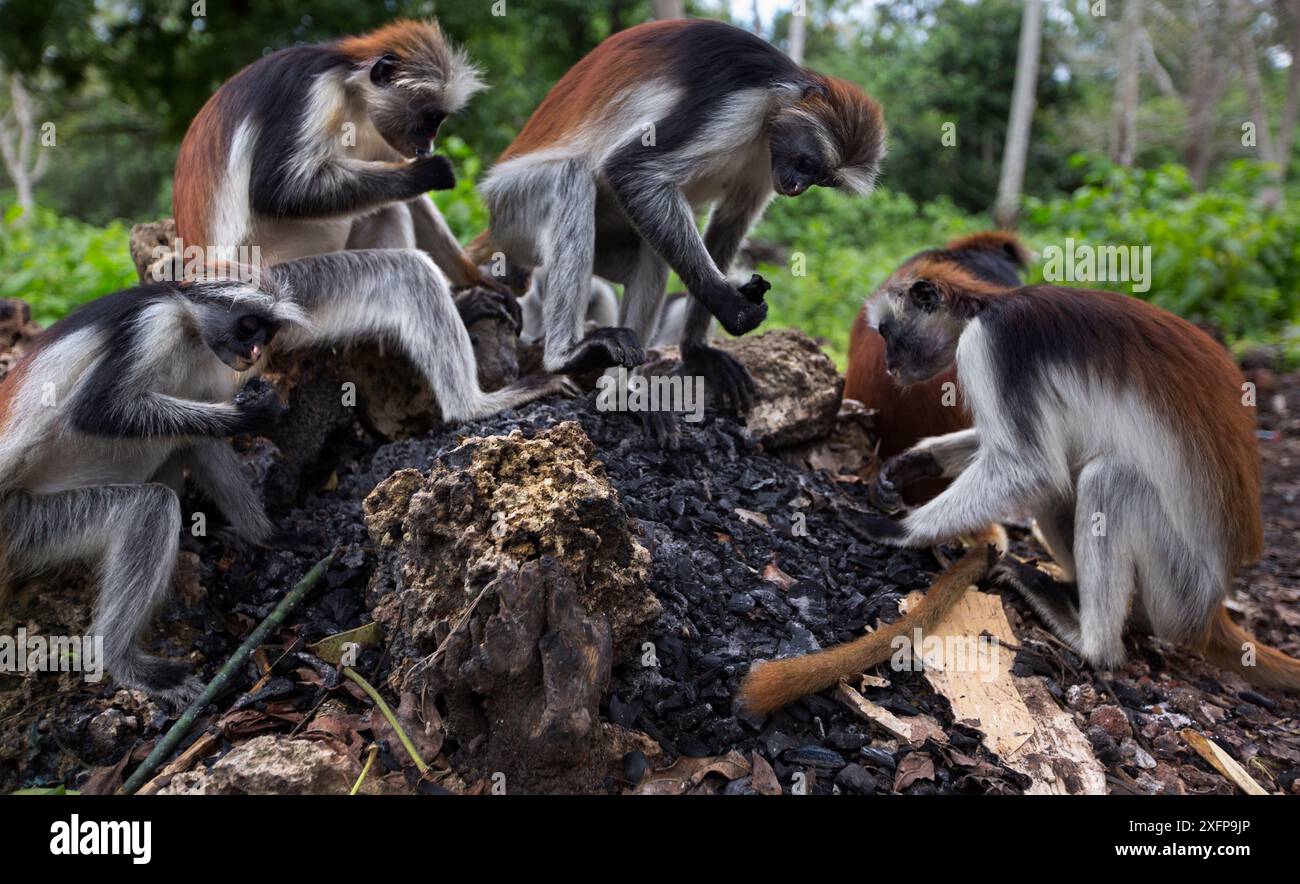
(432, 235)
(107, 405)
(728, 225)
(219, 473)
(994, 484)
(344, 187)
(662, 216)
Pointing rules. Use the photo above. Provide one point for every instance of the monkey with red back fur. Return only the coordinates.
(1124, 431)
(1069, 391)
(933, 407)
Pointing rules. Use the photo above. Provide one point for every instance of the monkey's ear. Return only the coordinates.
(382, 71)
(815, 89)
(925, 296)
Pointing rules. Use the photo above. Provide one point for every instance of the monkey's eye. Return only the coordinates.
(247, 327)
(382, 71)
(806, 166)
(925, 295)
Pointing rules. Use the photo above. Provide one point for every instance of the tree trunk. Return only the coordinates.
(18, 139)
(662, 9)
(1007, 207)
(1124, 140)
(1208, 73)
(798, 32)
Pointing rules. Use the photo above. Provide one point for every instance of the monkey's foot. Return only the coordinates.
(663, 429)
(899, 472)
(170, 682)
(605, 348)
(730, 381)
(881, 530)
(476, 304)
(1056, 602)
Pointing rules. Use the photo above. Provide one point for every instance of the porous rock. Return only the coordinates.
(16, 331)
(797, 388)
(517, 583)
(274, 764)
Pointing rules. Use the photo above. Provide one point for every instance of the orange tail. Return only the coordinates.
(1225, 644)
(774, 684)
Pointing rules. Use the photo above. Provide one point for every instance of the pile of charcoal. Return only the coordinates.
(752, 558)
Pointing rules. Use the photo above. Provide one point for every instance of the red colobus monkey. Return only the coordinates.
(657, 121)
(1122, 428)
(321, 148)
(906, 415)
(114, 403)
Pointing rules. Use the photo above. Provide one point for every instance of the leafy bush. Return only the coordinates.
(55, 263)
(1217, 256)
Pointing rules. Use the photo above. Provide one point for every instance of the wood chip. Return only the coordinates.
(1222, 762)
(1020, 721)
(914, 729)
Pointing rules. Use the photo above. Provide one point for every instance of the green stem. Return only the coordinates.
(392, 719)
(370, 759)
(186, 722)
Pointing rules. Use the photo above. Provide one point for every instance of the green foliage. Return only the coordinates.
(55, 263)
(1217, 256)
(461, 205)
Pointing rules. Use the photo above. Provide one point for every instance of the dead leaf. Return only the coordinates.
(774, 575)
(752, 517)
(330, 649)
(914, 766)
(764, 779)
(687, 775)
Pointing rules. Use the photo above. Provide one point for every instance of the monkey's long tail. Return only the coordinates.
(1225, 643)
(773, 684)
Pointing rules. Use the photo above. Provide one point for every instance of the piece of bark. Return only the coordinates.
(1020, 721)
(914, 729)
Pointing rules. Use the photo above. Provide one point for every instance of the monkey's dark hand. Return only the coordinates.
(476, 304)
(605, 348)
(880, 529)
(663, 428)
(899, 472)
(432, 173)
(755, 289)
(739, 311)
(724, 374)
(258, 416)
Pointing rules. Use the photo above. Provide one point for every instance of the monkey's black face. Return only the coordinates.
(797, 162)
(920, 339)
(408, 119)
(240, 342)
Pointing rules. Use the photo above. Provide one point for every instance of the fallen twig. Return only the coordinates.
(392, 718)
(182, 727)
